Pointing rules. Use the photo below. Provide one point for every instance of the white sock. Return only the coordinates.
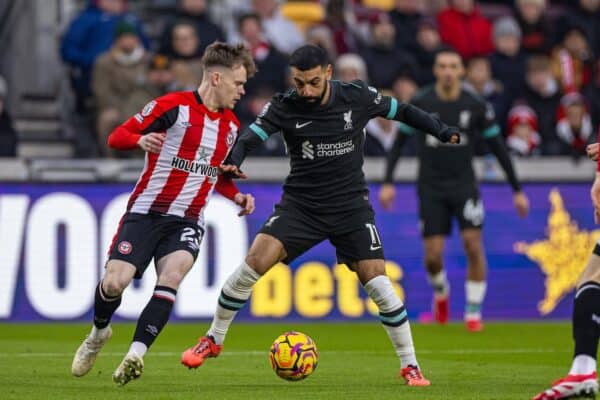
(138, 348)
(98, 333)
(583, 365)
(235, 293)
(391, 312)
(440, 284)
(474, 294)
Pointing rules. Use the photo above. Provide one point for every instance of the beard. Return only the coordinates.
(314, 101)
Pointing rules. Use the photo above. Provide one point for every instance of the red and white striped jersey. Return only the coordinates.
(180, 179)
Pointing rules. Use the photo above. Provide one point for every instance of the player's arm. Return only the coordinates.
(226, 188)
(390, 108)
(387, 193)
(266, 124)
(146, 129)
(491, 133)
(592, 151)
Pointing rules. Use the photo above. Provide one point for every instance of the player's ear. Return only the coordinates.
(328, 71)
(215, 78)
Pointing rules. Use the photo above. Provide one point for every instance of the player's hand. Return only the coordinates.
(387, 194)
(595, 193)
(152, 142)
(246, 201)
(521, 204)
(450, 135)
(592, 151)
(232, 171)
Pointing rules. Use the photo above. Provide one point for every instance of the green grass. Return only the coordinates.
(506, 361)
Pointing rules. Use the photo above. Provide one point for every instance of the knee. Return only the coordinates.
(259, 263)
(112, 286)
(433, 261)
(473, 248)
(171, 279)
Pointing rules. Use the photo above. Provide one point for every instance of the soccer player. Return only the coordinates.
(582, 379)
(186, 136)
(446, 184)
(324, 196)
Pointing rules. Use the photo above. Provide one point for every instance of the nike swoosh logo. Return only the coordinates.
(299, 125)
(373, 248)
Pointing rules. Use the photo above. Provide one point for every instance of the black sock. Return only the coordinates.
(104, 307)
(586, 319)
(155, 315)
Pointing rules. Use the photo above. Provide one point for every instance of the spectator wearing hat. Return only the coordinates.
(429, 44)
(90, 34)
(8, 135)
(384, 61)
(160, 74)
(536, 30)
(574, 124)
(572, 60)
(508, 64)
(523, 138)
(463, 27)
(119, 83)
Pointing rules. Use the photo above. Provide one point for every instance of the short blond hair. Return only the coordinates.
(221, 54)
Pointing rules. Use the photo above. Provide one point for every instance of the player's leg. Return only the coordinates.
(283, 237)
(107, 299)
(129, 255)
(171, 269)
(436, 224)
(470, 214)
(475, 285)
(582, 378)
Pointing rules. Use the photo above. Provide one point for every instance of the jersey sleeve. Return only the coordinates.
(156, 116)
(269, 121)
(375, 103)
(487, 125)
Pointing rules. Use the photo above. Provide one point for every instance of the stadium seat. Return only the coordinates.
(384, 5)
(303, 13)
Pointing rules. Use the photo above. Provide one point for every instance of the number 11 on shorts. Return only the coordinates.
(375, 240)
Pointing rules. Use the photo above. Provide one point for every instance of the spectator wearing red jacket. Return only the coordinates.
(463, 27)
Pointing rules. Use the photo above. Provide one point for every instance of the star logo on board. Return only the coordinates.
(562, 257)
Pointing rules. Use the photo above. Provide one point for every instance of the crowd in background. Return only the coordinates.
(537, 62)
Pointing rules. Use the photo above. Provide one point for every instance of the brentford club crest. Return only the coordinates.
(124, 247)
(230, 139)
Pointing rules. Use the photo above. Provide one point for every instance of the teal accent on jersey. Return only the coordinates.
(406, 129)
(395, 319)
(393, 108)
(491, 131)
(259, 131)
(232, 304)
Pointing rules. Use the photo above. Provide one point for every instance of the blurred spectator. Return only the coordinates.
(271, 64)
(384, 60)
(571, 61)
(478, 78)
(8, 135)
(542, 94)
(428, 44)
(196, 13)
(404, 88)
(508, 64)
(592, 95)
(585, 14)
(535, 28)
(185, 64)
(119, 83)
(381, 134)
(90, 34)
(279, 30)
(406, 17)
(463, 27)
(522, 127)
(160, 74)
(350, 67)
(340, 19)
(321, 35)
(574, 124)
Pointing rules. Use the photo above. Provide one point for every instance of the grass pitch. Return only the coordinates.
(506, 361)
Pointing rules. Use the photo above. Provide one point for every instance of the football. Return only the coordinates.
(293, 356)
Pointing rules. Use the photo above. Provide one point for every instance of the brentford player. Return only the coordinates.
(186, 137)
